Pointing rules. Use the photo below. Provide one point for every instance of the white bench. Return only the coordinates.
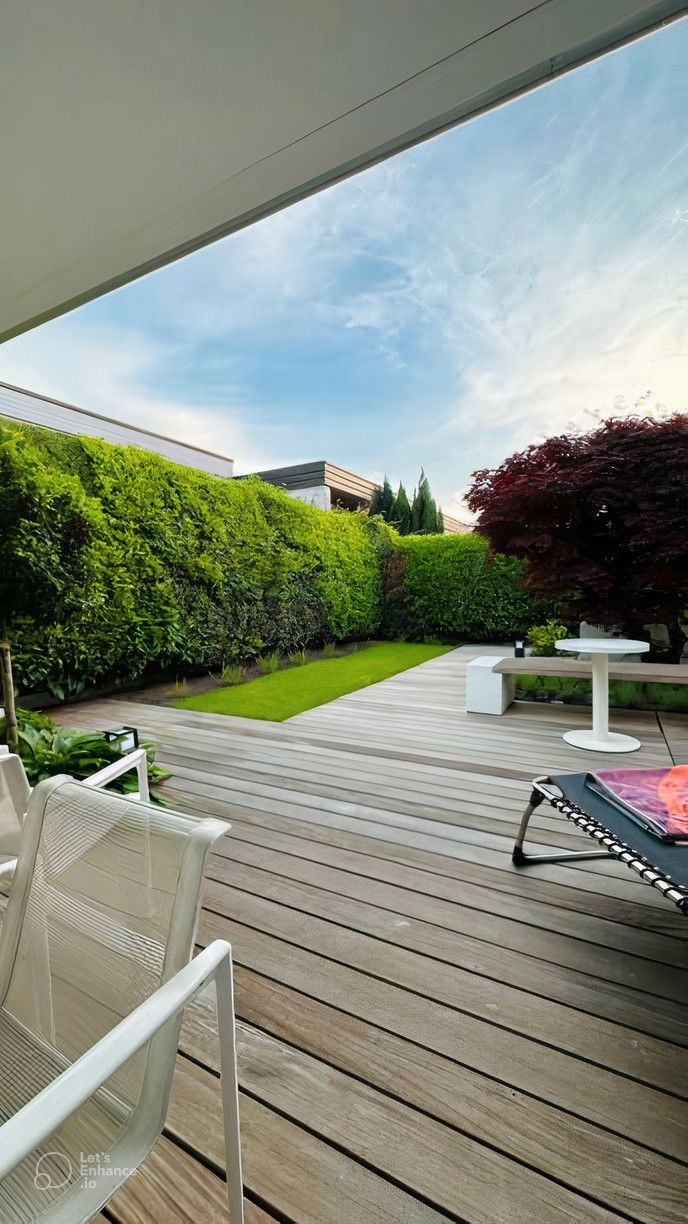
(490, 683)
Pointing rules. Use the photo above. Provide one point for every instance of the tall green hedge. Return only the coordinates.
(447, 586)
(116, 563)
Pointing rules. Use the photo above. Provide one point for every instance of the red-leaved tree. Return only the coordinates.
(601, 519)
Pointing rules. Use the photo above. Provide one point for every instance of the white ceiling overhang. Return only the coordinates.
(135, 131)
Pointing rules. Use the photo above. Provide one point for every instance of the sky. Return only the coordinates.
(522, 274)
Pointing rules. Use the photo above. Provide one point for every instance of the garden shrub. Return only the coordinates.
(115, 563)
(542, 639)
(623, 694)
(449, 586)
(47, 749)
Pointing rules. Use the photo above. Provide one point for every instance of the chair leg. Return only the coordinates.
(230, 1094)
(521, 859)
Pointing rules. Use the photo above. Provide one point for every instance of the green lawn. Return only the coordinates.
(285, 693)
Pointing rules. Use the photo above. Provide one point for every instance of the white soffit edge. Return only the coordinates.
(134, 132)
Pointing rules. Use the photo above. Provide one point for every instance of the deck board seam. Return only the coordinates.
(453, 931)
(550, 1045)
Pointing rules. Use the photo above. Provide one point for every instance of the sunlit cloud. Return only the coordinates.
(109, 371)
(522, 274)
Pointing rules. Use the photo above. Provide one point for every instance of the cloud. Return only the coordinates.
(518, 275)
(109, 370)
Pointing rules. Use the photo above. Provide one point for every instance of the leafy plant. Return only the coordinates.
(623, 694)
(401, 511)
(450, 588)
(297, 658)
(270, 663)
(330, 651)
(116, 563)
(419, 517)
(382, 501)
(542, 638)
(30, 718)
(47, 749)
(601, 520)
(233, 673)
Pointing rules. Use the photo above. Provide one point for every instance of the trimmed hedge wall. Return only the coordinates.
(116, 564)
(447, 586)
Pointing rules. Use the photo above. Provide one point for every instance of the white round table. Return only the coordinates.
(600, 738)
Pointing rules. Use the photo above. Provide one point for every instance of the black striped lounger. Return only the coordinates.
(662, 865)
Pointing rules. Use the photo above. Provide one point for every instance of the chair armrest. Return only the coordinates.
(42, 1116)
(133, 760)
(7, 870)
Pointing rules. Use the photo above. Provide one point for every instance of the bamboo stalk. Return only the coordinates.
(11, 728)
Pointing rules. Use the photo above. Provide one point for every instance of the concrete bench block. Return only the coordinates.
(487, 691)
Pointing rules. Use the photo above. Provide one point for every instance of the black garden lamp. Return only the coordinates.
(126, 737)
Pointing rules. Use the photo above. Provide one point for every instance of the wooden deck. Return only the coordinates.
(425, 1033)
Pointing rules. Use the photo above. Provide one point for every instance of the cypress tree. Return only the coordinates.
(402, 511)
(387, 506)
(426, 519)
(382, 501)
(376, 501)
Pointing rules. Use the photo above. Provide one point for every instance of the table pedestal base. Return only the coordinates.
(611, 742)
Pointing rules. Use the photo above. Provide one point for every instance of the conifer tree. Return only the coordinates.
(420, 518)
(382, 501)
(387, 507)
(402, 511)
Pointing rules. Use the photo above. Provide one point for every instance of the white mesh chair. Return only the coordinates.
(15, 792)
(95, 971)
(14, 800)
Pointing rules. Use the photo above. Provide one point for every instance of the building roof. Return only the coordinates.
(18, 404)
(134, 133)
(345, 487)
(454, 526)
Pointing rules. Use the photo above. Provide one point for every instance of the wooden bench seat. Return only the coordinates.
(490, 684)
(647, 673)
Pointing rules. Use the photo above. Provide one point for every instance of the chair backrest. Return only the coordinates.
(103, 910)
(15, 793)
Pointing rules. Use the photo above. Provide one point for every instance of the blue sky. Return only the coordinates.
(522, 273)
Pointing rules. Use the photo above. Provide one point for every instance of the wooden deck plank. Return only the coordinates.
(405, 1145)
(627, 1049)
(426, 1032)
(469, 928)
(503, 879)
(618, 881)
(620, 1104)
(470, 903)
(174, 1188)
(525, 973)
(568, 1149)
(302, 1176)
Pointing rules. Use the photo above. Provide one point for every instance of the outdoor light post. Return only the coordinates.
(126, 737)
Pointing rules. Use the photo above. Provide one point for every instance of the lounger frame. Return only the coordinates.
(545, 791)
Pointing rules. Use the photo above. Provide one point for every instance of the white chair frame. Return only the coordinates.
(156, 1020)
(41, 1117)
(20, 793)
